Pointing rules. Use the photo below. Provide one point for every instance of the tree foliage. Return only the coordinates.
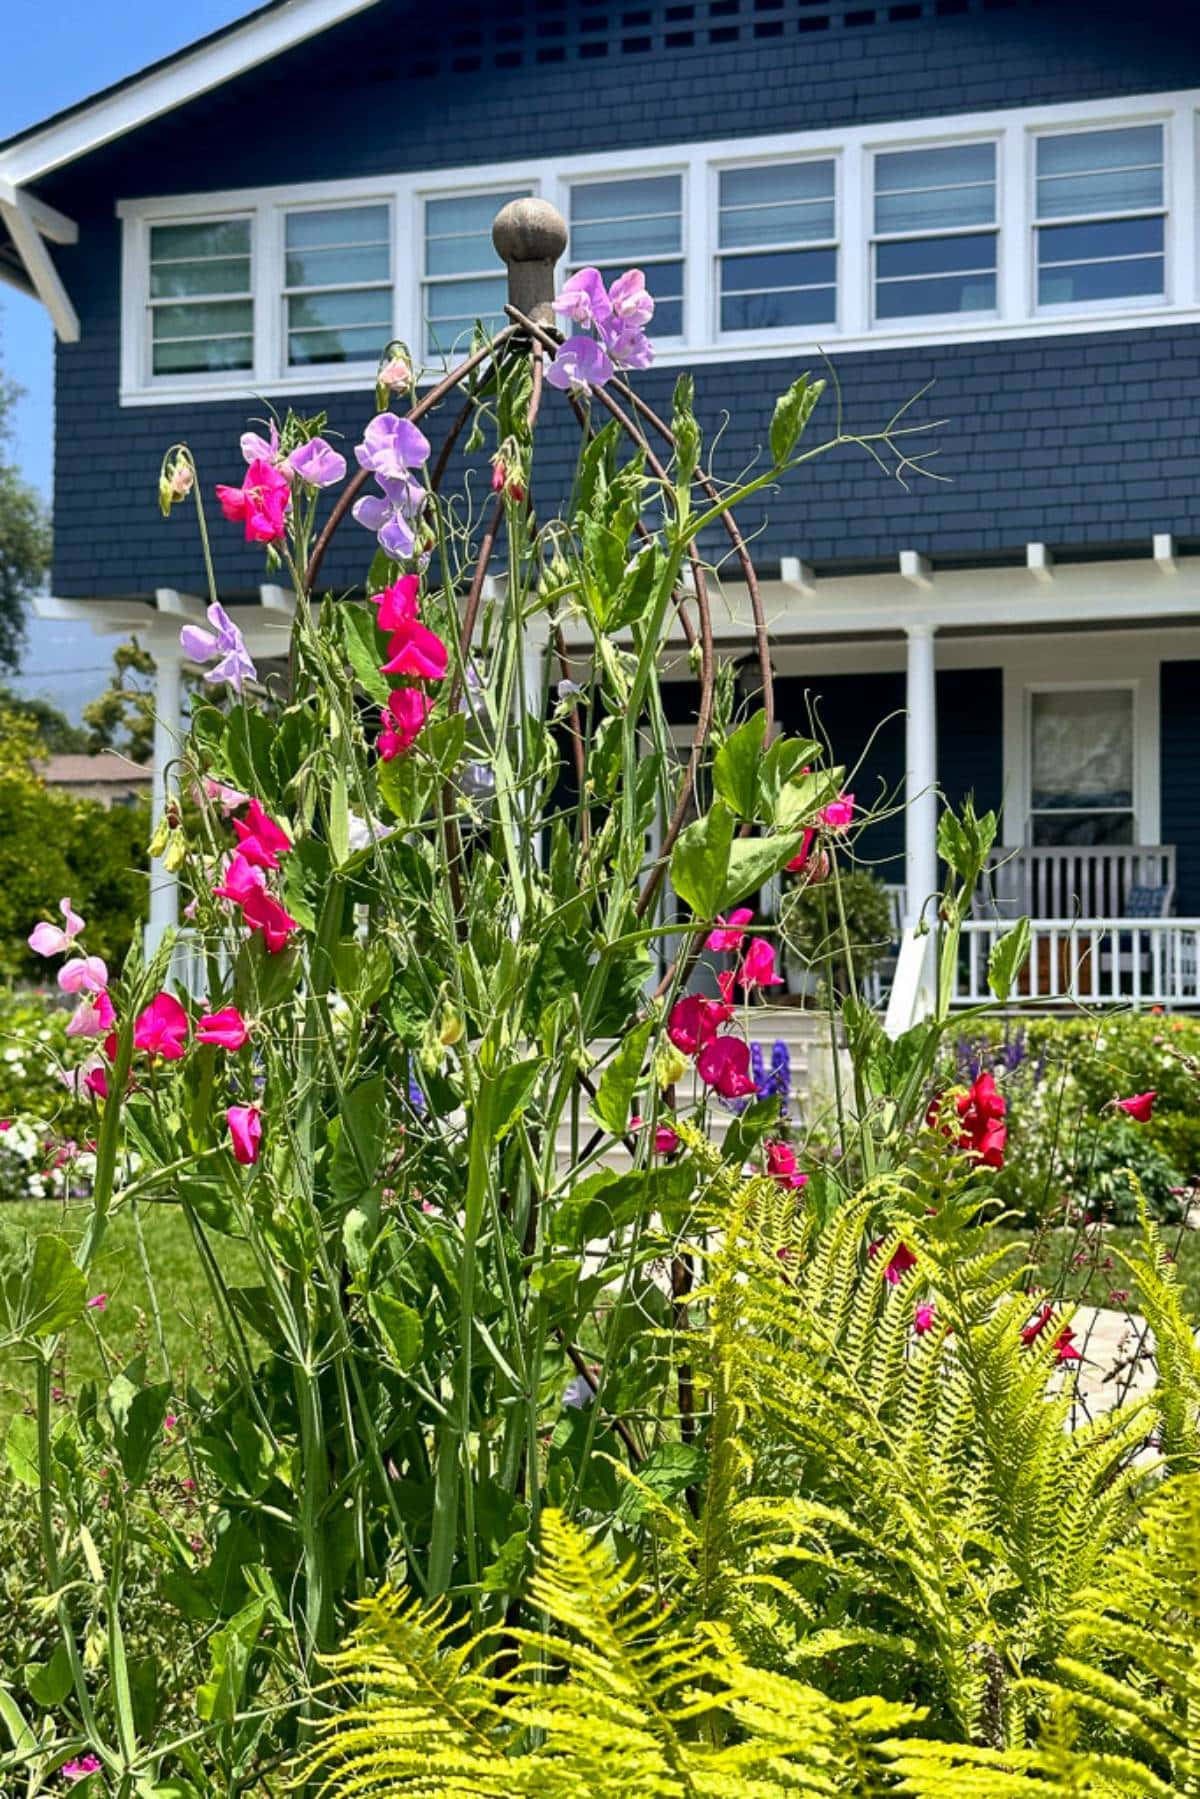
(24, 538)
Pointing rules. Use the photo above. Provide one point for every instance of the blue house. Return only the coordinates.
(989, 204)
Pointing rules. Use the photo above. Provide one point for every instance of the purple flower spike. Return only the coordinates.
(580, 362)
(318, 463)
(225, 642)
(391, 448)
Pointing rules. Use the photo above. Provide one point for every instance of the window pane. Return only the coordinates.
(781, 203)
(215, 237)
(330, 268)
(1068, 830)
(452, 308)
(206, 318)
(199, 356)
(1122, 190)
(770, 311)
(217, 275)
(622, 220)
(786, 268)
(1102, 241)
(1082, 750)
(350, 344)
(918, 189)
(468, 215)
(1143, 278)
(358, 306)
(344, 225)
(1099, 171)
(948, 293)
(937, 255)
(935, 275)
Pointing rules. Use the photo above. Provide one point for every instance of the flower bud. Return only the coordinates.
(670, 1066)
(452, 1029)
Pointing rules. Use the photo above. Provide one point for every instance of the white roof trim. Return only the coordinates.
(186, 76)
(19, 215)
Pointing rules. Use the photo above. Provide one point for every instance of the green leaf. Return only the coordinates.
(510, 1094)
(399, 1326)
(1008, 957)
(604, 1202)
(800, 799)
(229, 1653)
(21, 1451)
(632, 598)
(737, 765)
(783, 762)
(48, 1293)
(700, 861)
(748, 1129)
(49, 1682)
(753, 860)
(504, 1574)
(792, 413)
(137, 1413)
(666, 1471)
(619, 1082)
(364, 1122)
(361, 642)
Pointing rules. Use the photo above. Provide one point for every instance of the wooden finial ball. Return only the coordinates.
(529, 230)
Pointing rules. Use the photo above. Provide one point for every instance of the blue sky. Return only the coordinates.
(50, 62)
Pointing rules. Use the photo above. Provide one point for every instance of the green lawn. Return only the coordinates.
(1092, 1271)
(127, 1323)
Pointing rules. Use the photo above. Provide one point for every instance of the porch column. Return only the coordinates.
(168, 733)
(920, 762)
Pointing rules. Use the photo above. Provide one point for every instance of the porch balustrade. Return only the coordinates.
(1086, 883)
(1090, 961)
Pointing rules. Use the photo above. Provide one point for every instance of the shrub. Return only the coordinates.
(847, 932)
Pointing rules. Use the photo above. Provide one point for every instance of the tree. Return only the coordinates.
(122, 717)
(24, 539)
(56, 734)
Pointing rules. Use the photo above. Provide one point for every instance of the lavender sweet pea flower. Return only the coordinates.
(580, 362)
(224, 641)
(585, 299)
(393, 518)
(261, 449)
(391, 448)
(630, 302)
(628, 345)
(318, 463)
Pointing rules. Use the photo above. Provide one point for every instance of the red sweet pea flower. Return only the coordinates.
(1037, 1325)
(781, 1165)
(1139, 1106)
(923, 1319)
(981, 1112)
(724, 1064)
(902, 1260)
(1064, 1345)
(264, 913)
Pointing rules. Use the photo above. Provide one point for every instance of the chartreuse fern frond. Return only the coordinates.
(613, 1701)
(1176, 1349)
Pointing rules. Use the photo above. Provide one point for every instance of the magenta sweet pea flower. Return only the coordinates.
(724, 1064)
(261, 841)
(318, 463)
(758, 965)
(260, 504)
(782, 1166)
(923, 1319)
(729, 931)
(245, 1131)
(225, 1029)
(240, 880)
(416, 650)
(695, 1021)
(48, 939)
(162, 1029)
(225, 642)
(400, 724)
(82, 1769)
(83, 974)
(580, 362)
(98, 1303)
(398, 603)
(902, 1260)
(838, 815)
(262, 912)
(1139, 1106)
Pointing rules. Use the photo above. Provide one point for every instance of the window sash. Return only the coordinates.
(961, 285)
(1054, 290)
(166, 313)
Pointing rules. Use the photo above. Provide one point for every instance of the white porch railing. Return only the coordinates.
(1036, 881)
(1089, 961)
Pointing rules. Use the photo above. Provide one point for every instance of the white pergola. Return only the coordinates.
(265, 625)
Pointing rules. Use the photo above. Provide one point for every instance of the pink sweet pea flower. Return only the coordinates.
(83, 1769)
(415, 650)
(758, 965)
(781, 1165)
(162, 1029)
(48, 939)
(839, 814)
(400, 724)
(245, 1130)
(728, 933)
(169, 1422)
(260, 840)
(264, 913)
(83, 974)
(94, 1078)
(923, 1318)
(398, 603)
(240, 880)
(666, 1141)
(694, 1021)
(6, 1124)
(228, 798)
(260, 503)
(98, 1303)
(92, 1017)
(1064, 1347)
(725, 1064)
(225, 1029)
(902, 1260)
(1139, 1106)
(629, 300)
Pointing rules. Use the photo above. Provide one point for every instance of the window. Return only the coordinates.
(777, 251)
(935, 231)
(337, 284)
(201, 305)
(617, 225)
(464, 278)
(1081, 785)
(1104, 192)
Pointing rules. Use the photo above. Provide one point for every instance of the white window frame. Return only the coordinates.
(322, 370)
(219, 378)
(683, 256)
(1017, 315)
(1133, 302)
(981, 314)
(435, 189)
(781, 334)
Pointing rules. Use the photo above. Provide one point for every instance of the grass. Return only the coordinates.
(107, 1340)
(1089, 1268)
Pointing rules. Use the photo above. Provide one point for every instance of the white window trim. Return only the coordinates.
(1168, 211)
(1133, 688)
(943, 320)
(853, 149)
(784, 335)
(316, 371)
